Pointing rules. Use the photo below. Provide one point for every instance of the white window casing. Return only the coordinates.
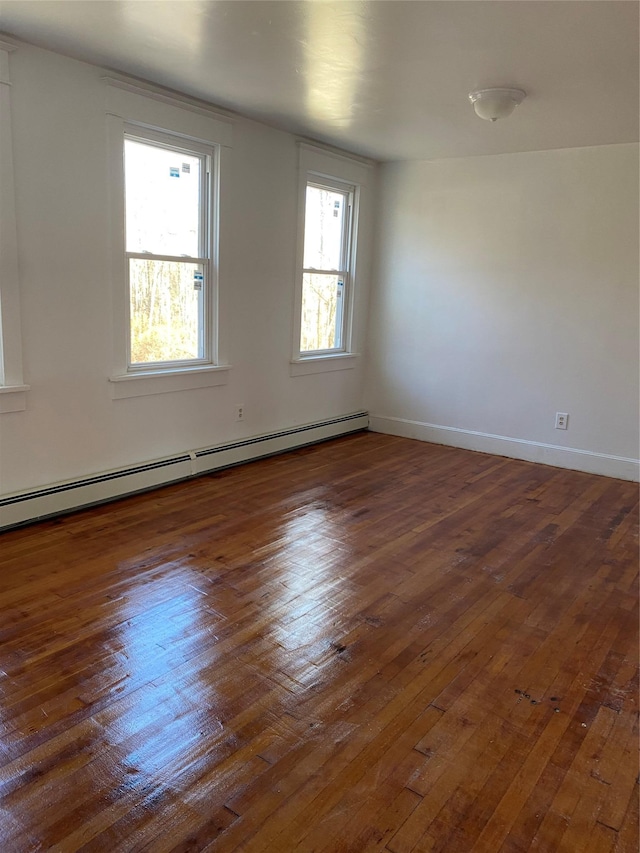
(162, 121)
(348, 177)
(13, 391)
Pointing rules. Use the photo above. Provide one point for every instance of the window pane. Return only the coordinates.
(323, 228)
(162, 191)
(166, 310)
(322, 297)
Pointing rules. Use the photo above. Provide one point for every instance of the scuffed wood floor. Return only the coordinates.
(371, 644)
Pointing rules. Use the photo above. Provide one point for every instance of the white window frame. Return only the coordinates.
(350, 175)
(13, 391)
(146, 112)
(345, 272)
(206, 239)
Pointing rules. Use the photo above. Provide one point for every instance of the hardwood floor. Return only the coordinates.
(370, 644)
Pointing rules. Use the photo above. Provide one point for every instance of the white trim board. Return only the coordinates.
(515, 448)
(59, 498)
(11, 378)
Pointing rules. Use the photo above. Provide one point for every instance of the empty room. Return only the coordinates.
(319, 426)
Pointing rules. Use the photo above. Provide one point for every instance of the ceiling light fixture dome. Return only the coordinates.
(492, 104)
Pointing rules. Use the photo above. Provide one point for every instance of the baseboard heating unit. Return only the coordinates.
(35, 504)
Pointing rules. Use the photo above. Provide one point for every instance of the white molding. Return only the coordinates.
(114, 187)
(322, 364)
(168, 114)
(5, 78)
(574, 458)
(13, 389)
(6, 48)
(166, 96)
(144, 384)
(13, 398)
(329, 163)
(9, 45)
(57, 498)
(11, 377)
(328, 151)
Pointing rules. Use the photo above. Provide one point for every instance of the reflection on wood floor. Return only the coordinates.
(370, 644)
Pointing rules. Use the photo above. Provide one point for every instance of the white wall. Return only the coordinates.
(72, 426)
(507, 290)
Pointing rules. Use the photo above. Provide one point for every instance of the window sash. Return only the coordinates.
(342, 295)
(163, 141)
(202, 312)
(345, 237)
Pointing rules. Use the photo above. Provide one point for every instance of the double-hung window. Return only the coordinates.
(169, 250)
(327, 267)
(326, 273)
(332, 259)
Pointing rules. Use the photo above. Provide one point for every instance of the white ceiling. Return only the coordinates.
(388, 79)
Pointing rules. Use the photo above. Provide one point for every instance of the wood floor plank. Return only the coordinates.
(373, 644)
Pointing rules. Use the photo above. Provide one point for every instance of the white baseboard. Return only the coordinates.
(59, 498)
(516, 448)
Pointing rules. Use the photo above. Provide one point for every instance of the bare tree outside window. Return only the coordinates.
(164, 311)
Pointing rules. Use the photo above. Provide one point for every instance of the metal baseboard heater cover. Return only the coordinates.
(56, 499)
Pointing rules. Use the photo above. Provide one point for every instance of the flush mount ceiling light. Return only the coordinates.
(492, 104)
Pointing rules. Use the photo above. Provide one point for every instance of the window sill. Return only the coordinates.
(13, 398)
(322, 363)
(143, 384)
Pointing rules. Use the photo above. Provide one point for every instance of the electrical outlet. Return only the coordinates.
(239, 413)
(562, 420)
